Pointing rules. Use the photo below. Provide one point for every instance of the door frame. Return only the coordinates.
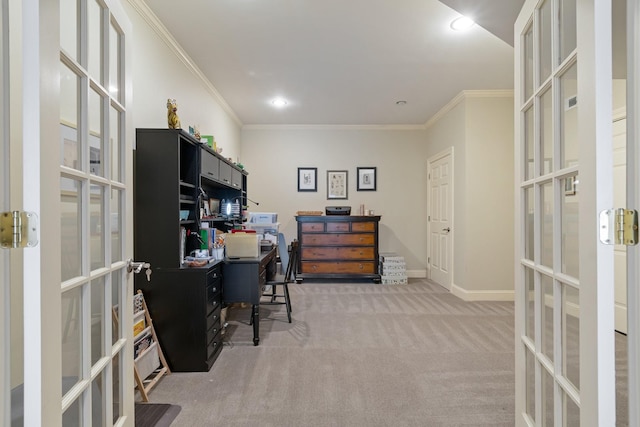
(633, 201)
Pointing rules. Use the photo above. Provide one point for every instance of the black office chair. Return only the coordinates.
(288, 260)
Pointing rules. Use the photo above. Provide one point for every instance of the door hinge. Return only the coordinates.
(619, 227)
(18, 230)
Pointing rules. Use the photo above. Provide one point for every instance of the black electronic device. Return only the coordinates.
(337, 210)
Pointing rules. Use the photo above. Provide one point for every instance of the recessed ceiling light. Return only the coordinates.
(462, 23)
(279, 102)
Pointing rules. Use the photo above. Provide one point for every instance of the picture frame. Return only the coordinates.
(337, 184)
(307, 179)
(367, 178)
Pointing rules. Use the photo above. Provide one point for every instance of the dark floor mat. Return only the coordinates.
(155, 414)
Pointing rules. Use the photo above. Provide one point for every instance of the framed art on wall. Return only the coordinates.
(337, 184)
(307, 179)
(366, 179)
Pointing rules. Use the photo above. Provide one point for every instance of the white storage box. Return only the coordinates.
(242, 245)
(263, 217)
(148, 361)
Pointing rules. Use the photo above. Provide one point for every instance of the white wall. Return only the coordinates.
(272, 156)
(160, 73)
(479, 126)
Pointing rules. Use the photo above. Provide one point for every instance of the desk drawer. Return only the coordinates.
(213, 296)
(214, 345)
(213, 319)
(338, 267)
(338, 239)
(347, 253)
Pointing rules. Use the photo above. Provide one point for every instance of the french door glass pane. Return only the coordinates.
(98, 389)
(528, 223)
(117, 384)
(546, 133)
(70, 224)
(567, 28)
(97, 319)
(570, 249)
(530, 305)
(569, 117)
(71, 338)
(571, 412)
(97, 230)
(528, 62)
(95, 40)
(546, 230)
(546, 316)
(115, 144)
(571, 334)
(96, 136)
(531, 384)
(545, 41)
(529, 143)
(69, 27)
(116, 303)
(115, 84)
(547, 398)
(116, 225)
(70, 154)
(73, 415)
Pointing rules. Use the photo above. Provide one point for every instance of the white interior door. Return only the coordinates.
(440, 220)
(565, 373)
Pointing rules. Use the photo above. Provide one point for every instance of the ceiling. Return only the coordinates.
(343, 62)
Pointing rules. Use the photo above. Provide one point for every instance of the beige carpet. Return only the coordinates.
(358, 354)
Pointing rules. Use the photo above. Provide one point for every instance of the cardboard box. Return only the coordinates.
(242, 245)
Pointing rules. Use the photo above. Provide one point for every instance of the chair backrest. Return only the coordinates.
(290, 272)
(284, 252)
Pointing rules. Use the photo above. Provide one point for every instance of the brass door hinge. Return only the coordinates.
(619, 227)
(18, 230)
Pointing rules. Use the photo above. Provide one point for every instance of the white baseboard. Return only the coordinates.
(482, 295)
(418, 274)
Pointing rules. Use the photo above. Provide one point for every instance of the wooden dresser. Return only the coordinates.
(338, 247)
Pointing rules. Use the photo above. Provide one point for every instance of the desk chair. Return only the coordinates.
(288, 259)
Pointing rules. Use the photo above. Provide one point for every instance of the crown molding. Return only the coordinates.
(333, 127)
(507, 93)
(154, 22)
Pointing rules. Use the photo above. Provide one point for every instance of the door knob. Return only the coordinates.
(448, 229)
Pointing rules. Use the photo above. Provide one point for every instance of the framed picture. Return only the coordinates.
(337, 184)
(367, 179)
(307, 179)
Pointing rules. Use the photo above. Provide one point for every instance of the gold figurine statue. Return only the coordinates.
(172, 114)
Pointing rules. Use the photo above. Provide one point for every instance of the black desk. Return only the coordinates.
(243, 280)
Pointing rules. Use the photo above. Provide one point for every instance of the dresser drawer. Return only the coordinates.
(338, 226)
(214, 345)
(363, 226)
(337, 239)
(213, 296)
(365, 252)
(312, 227)
(338, 267)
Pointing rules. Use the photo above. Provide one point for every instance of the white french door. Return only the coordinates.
(95, 176)
(71, 362)
(440, 221)
(565, 371)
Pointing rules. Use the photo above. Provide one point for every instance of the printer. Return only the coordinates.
(337, 210)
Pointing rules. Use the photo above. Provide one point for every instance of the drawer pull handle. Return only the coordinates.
(215, 331)
(315, 267)
(214, 289)
(361, 267)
